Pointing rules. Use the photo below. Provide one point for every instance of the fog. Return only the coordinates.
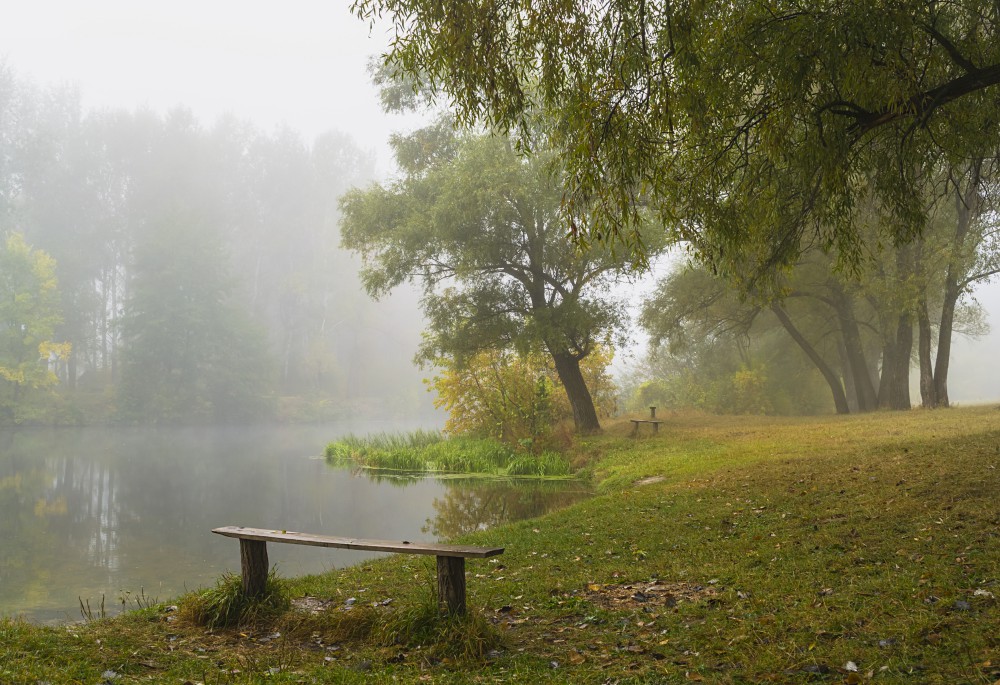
(304, 66)
(124, 121)
(975, 366)
(251, 76)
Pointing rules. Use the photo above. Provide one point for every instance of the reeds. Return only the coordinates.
(429, 452)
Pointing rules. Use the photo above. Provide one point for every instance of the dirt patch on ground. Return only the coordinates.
(311, 605)
(655, 594)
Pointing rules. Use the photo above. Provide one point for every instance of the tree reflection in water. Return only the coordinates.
(476, 505)
(472, 504)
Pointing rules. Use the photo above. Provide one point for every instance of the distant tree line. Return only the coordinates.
(195, 269)
(829, 336)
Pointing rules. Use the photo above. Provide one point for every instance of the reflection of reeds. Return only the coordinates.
(428, 452)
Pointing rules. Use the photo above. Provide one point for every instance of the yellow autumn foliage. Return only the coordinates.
(516, 397)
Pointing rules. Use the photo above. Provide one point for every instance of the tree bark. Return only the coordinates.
(584, 413)
(839, 398)
(847, 373)
(943, 358)
(864, 388)
(928, 394)
(967, 207)
(894, 387)
(71, 372)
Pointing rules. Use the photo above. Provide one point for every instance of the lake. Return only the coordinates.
(115, 512)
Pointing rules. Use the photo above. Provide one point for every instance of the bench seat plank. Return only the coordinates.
(398, 546)
(655, 423)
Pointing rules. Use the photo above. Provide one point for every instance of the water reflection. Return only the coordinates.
(98, 512)
(470, 505)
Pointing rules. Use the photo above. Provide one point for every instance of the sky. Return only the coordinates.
(302, 64)
(299, 64)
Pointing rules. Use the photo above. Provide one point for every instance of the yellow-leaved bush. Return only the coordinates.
(516, 397)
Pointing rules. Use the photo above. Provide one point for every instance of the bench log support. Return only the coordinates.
(451, 584)
(450, 558)
(253, 563)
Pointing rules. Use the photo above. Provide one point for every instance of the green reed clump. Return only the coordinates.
(427, 452)
(544, 464)
(226, 605)
(379, 447)
(443, 636)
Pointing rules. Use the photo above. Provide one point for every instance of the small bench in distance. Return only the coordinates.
(635, 425)
(450, 558)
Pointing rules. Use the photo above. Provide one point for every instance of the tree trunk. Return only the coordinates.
(71, 371)
(904, 339)
(968, 205)
(839, 398)
(928, 395)
(951, 295)
(894, 387)
(847, 373)
(584, 413)
(864, 388)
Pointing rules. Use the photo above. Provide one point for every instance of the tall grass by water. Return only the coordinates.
(429, 452)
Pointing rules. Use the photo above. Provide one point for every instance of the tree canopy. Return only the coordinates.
(750, 129)
(481, 229)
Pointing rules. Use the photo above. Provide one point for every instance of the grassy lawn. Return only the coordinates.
(722, 550)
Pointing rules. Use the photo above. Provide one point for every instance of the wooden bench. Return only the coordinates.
(651, 420)
(450, 558)
(635, 424)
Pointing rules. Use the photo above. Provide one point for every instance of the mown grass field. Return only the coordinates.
(723, 550)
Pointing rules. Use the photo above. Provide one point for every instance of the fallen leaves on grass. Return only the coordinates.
(637, 595)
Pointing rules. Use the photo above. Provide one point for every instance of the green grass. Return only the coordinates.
(723, 550)
(429, 452)
(226, 606)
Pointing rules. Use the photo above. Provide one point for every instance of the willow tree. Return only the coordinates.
(482, 230)
(750, 128)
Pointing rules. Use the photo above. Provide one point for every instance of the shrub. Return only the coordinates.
(514, 397)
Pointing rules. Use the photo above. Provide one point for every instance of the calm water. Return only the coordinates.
(86, 513)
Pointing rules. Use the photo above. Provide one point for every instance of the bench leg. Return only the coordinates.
(253, 560)
(451, 584)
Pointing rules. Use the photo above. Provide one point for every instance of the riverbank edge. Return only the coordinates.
(723, 550)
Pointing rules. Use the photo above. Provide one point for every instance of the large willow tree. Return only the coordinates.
(750, 128)
(482, 230)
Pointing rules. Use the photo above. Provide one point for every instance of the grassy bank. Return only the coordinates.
(723, 550)
(430, 452)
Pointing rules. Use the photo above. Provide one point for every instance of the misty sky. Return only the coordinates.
(304, 66)
(301, 64)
